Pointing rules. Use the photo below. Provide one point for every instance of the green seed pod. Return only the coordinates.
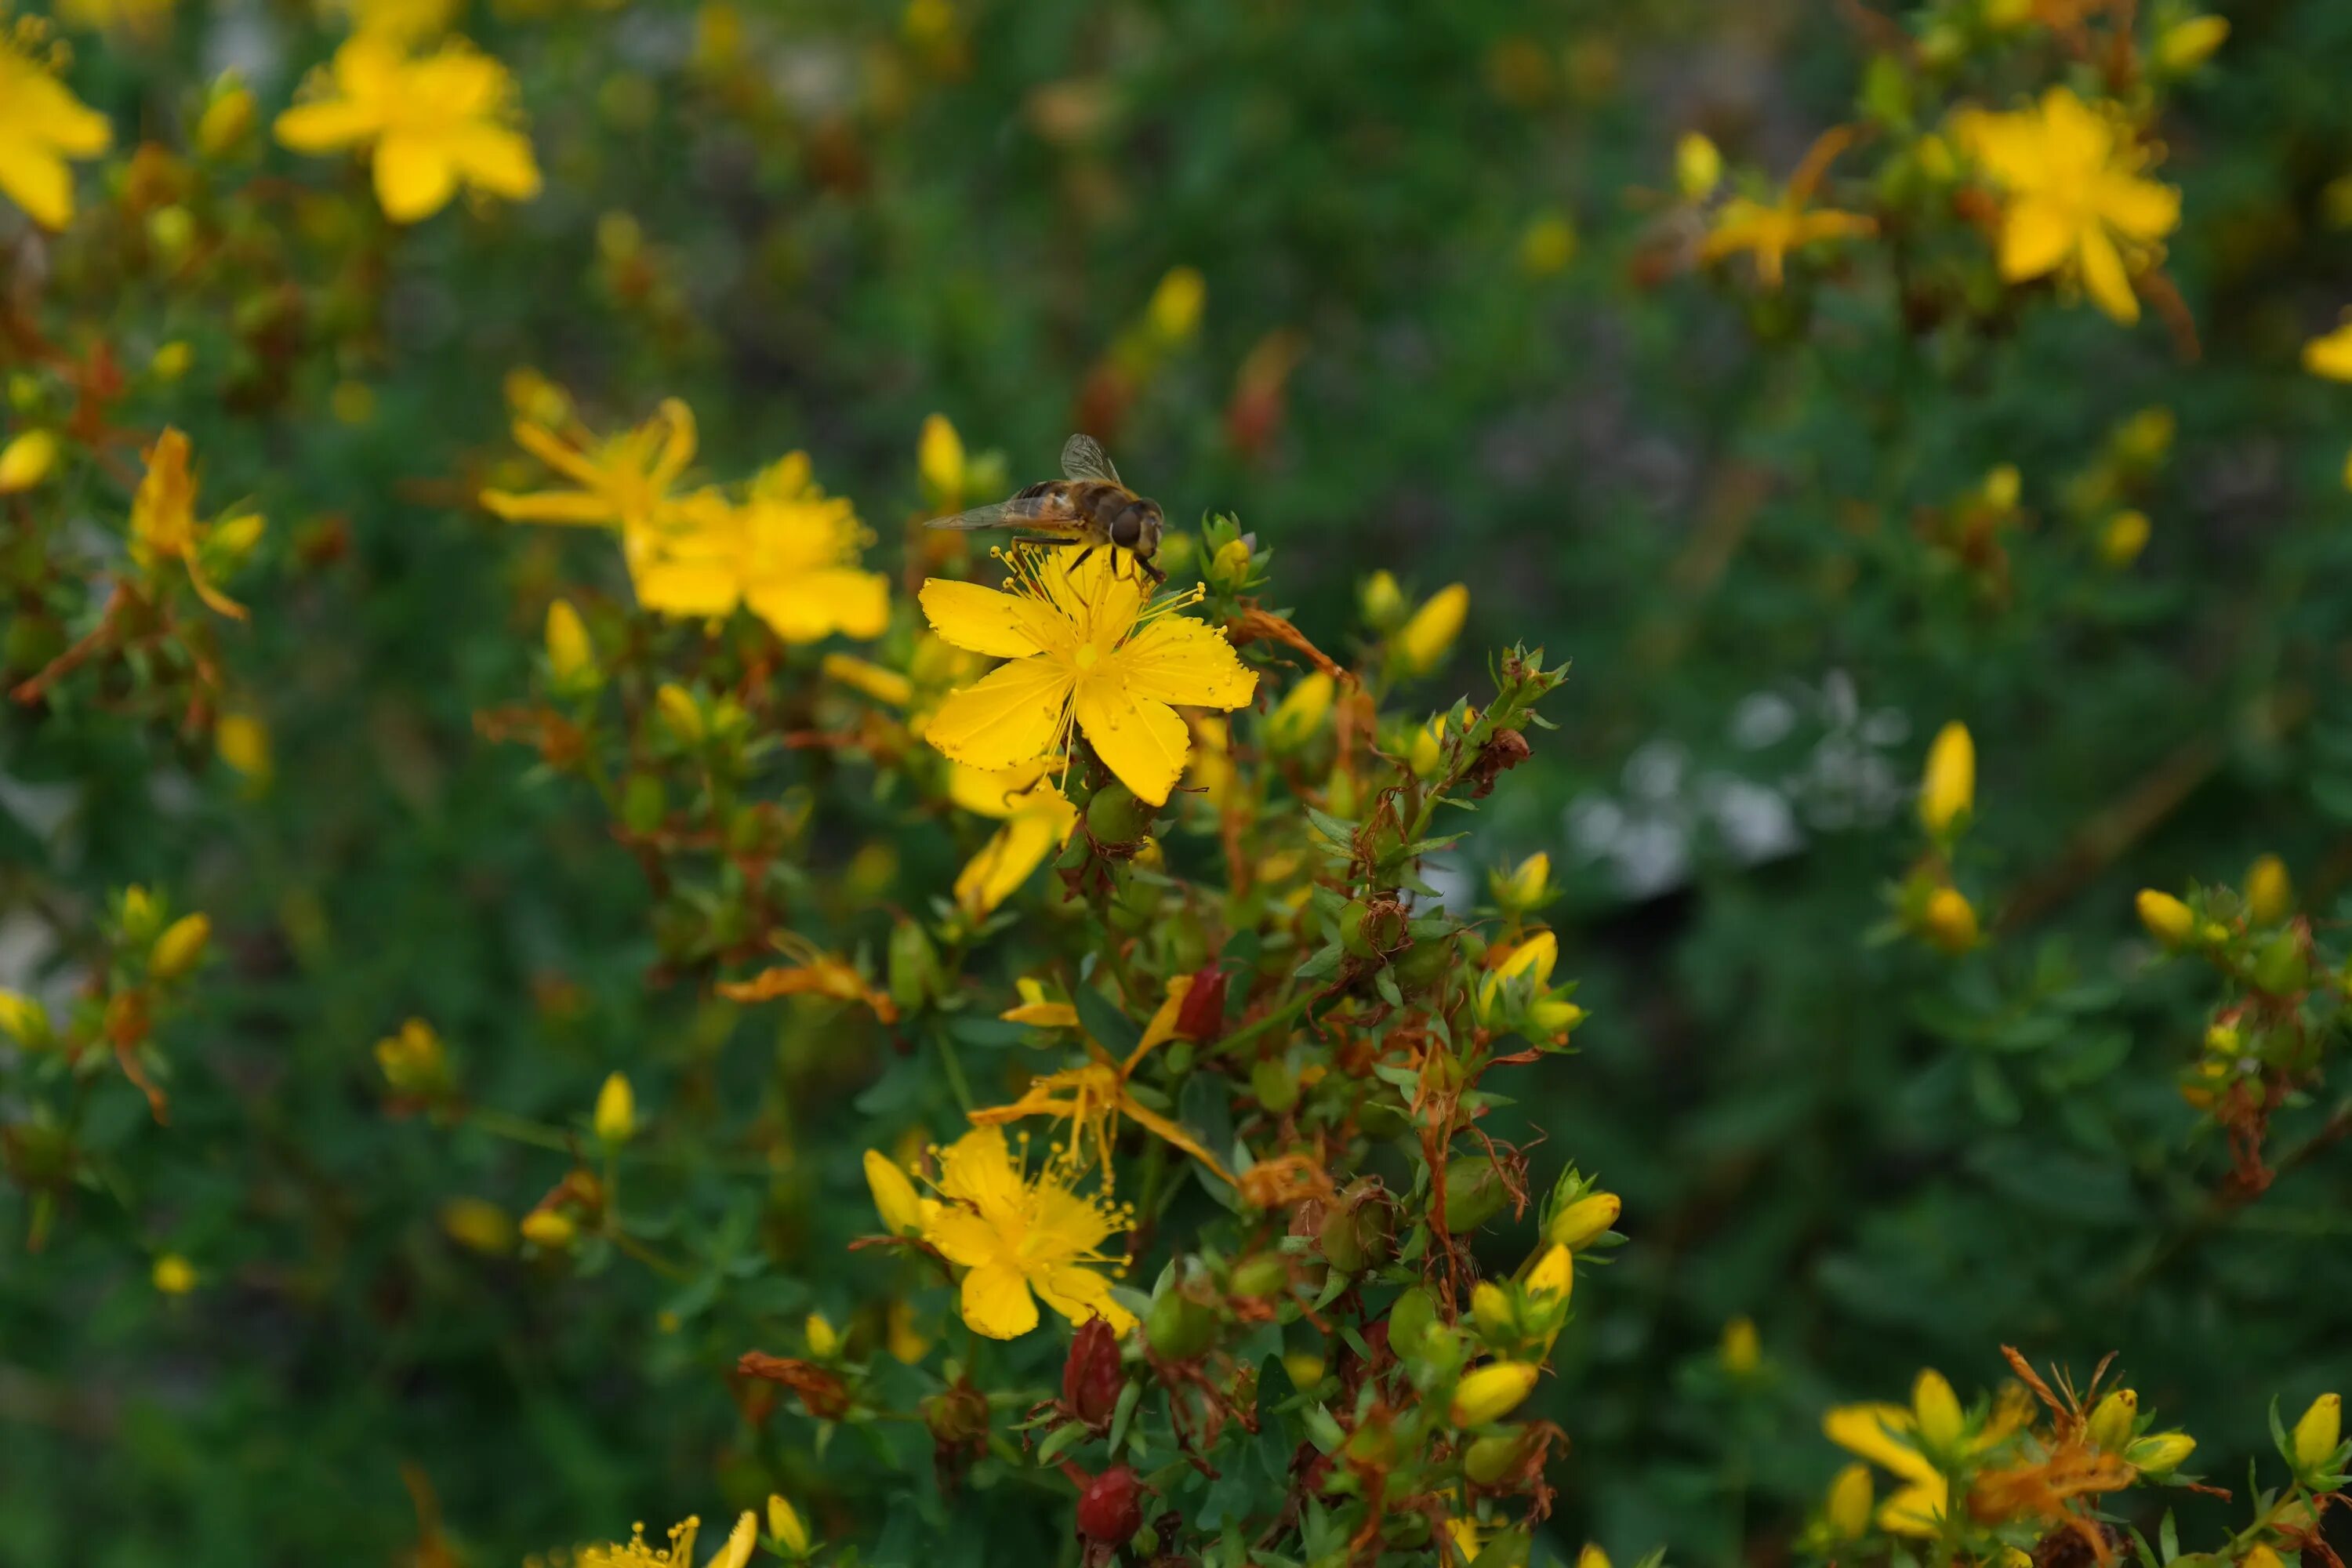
(1372, 930)
(1474, 1192)
(1276, 1086)
(1116, 817)
(1492, 1459)
(1267, 1274)
(2279, 968)
(914, 965)
(1410, 1320)
(1425, 963)
(1179, 1328)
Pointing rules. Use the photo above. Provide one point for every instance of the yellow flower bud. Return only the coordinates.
(2269, 891)
(177, 950)
(1848, 1509)
(479, 1225)
(2318, 1432)
(1492, 1392)
(23, 1020)
(1229, 568)
(2262, 1556)
(570, 655)
(548, 1229)
(1175, 309)
(171, 361)
(1554, 1273)
(1524, 886)
(1698, 166)
(1547, 246)
(1382, 601)
(2002, 487)
(2189, 43)
(1580, 1221)
(1949, 921)
(413, 1060)
(1426, 755)
(939, 457)
(1591, 1557)
(741, 1542)
(872, 680)
(680, 714)
(228, 120)
(894, 1195)
(242, 740)
(1423, 642)
(1936, 1410)
(1950, 785)
(616, 1111)
(785, 1524)
(2167, 918)
(2160, 1453)
(27, 460)
(1742, 1352)
(173, 1275)
(1490, 1304)
(2123, 538)
(2112, 1420)
(1300, 713)
(824, 1338)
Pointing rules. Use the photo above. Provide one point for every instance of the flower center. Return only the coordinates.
(1089, 655)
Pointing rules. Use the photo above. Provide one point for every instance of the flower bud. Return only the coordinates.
(1110, 1506)
(914, 965)
(1301, 712)
(1492, 1392)
(1229, 568)
(227, 119)
(477, 1225)
(1493, 1460)
(1373, 928)
(23, 1020)
(2279, 968)
(1474, 1192)
(2112, 1420)
(1359, 1231)
(2318, 1431)
(1175, 309)
(1423, 643)
(172, 360)
(784, 1523)
(1937, 1409)
(26, 461)
(1201, 1017)
(1092, 1376)
(1950, 785)
(1525, 886)
(616, 1111)
(413, 1061)
(2167, 918)
(2188, 43)
(1949, 921)
(955, 1416)
(2263, 1555)
(1410, 1319)
(1490, 1305)
(1848, 1507)
(938, 456)
(824, 1338)
(177, 950)
(2269, 891)
(571, 658)
(1274, 1085)
(1266, 1274)
(1591, 1557)
(173, 1275)
(1698, 166)
(1742, 1352)
(550, 1230)
(2160, 1453)
(1179, 1328)
(1380, 601)
(1577, 1224)
(895, 1198)
(680, 714)
(2123, 537)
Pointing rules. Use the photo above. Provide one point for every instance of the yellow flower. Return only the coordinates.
(1530, 961)
(433, 121)
(243, 741)
(623, 481)
(1422, 642)
(789, 552)
(1885, 1434)
(164, 524)
(1848, 1509)
(1093, 1097)
(174, 1275)
(2330, 353)
(679, 1554)
(1037, 821)
(1083, 646)
(1951, 786)
(1016, 1233)
(2076, 200)
(812, 974)
(1772, 231)
(940, 456)
(42, 124)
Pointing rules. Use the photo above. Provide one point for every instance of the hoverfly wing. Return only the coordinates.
(1084, 459)
(1021, 511)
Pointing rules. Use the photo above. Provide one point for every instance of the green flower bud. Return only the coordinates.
(1474, 1192)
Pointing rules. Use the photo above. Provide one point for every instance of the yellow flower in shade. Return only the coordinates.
(1093, 1097)
(164, 524)
(42, 124)
(1082, 647)
(623, 481)
(811, 973)
(789, 552)
(1950, 785)
(1772, 230)
(2076, 201)
(434, 121)
(2330, 353)
(1020, 1236)
(1037, 821)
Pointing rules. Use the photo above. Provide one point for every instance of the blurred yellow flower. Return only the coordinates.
(434, 121)
(623, 481)
(174, 1275)
(1037, 821)
(1424, 640)
(26, 461)
(164, 524)
(789, 552)
(1949, 787)
(1020, 1236)
(1772, 231)
(2330, 353)
(1083, 648)
(42, 124)
(2077, 202)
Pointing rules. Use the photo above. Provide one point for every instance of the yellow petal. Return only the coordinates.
(1140, 740)
(414, 178)
(2105, 280)
(1876, 1433)
(1005, 861)
(996, 1301)
(2035, 237)
(497, 159)
(1916, 1510)
(2330, 355)
(2141, 209)
(1184, 662)
(993, 794)
(895, 1198)
(1079, 1294)
(979, 619)
(816, 604)
(1012, 715)
(327, 126)
(36, 181)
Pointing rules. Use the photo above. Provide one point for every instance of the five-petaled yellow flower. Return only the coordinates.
(1772, 230)
(1093, 1097)
(433, 121)
(1016, 1233)
(1083, 648)
(625, 480)
(163, 525)
(789, 551)
(42, 124)
(1906, 1441)
(2077, 199)
(1037, 821)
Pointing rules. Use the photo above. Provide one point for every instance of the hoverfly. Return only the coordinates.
(1089, 506)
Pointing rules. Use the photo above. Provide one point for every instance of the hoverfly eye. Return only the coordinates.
(1126, 529)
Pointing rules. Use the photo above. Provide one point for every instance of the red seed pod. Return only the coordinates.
(1092, 1377)
(1201, 1017)
(1110, 1506)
